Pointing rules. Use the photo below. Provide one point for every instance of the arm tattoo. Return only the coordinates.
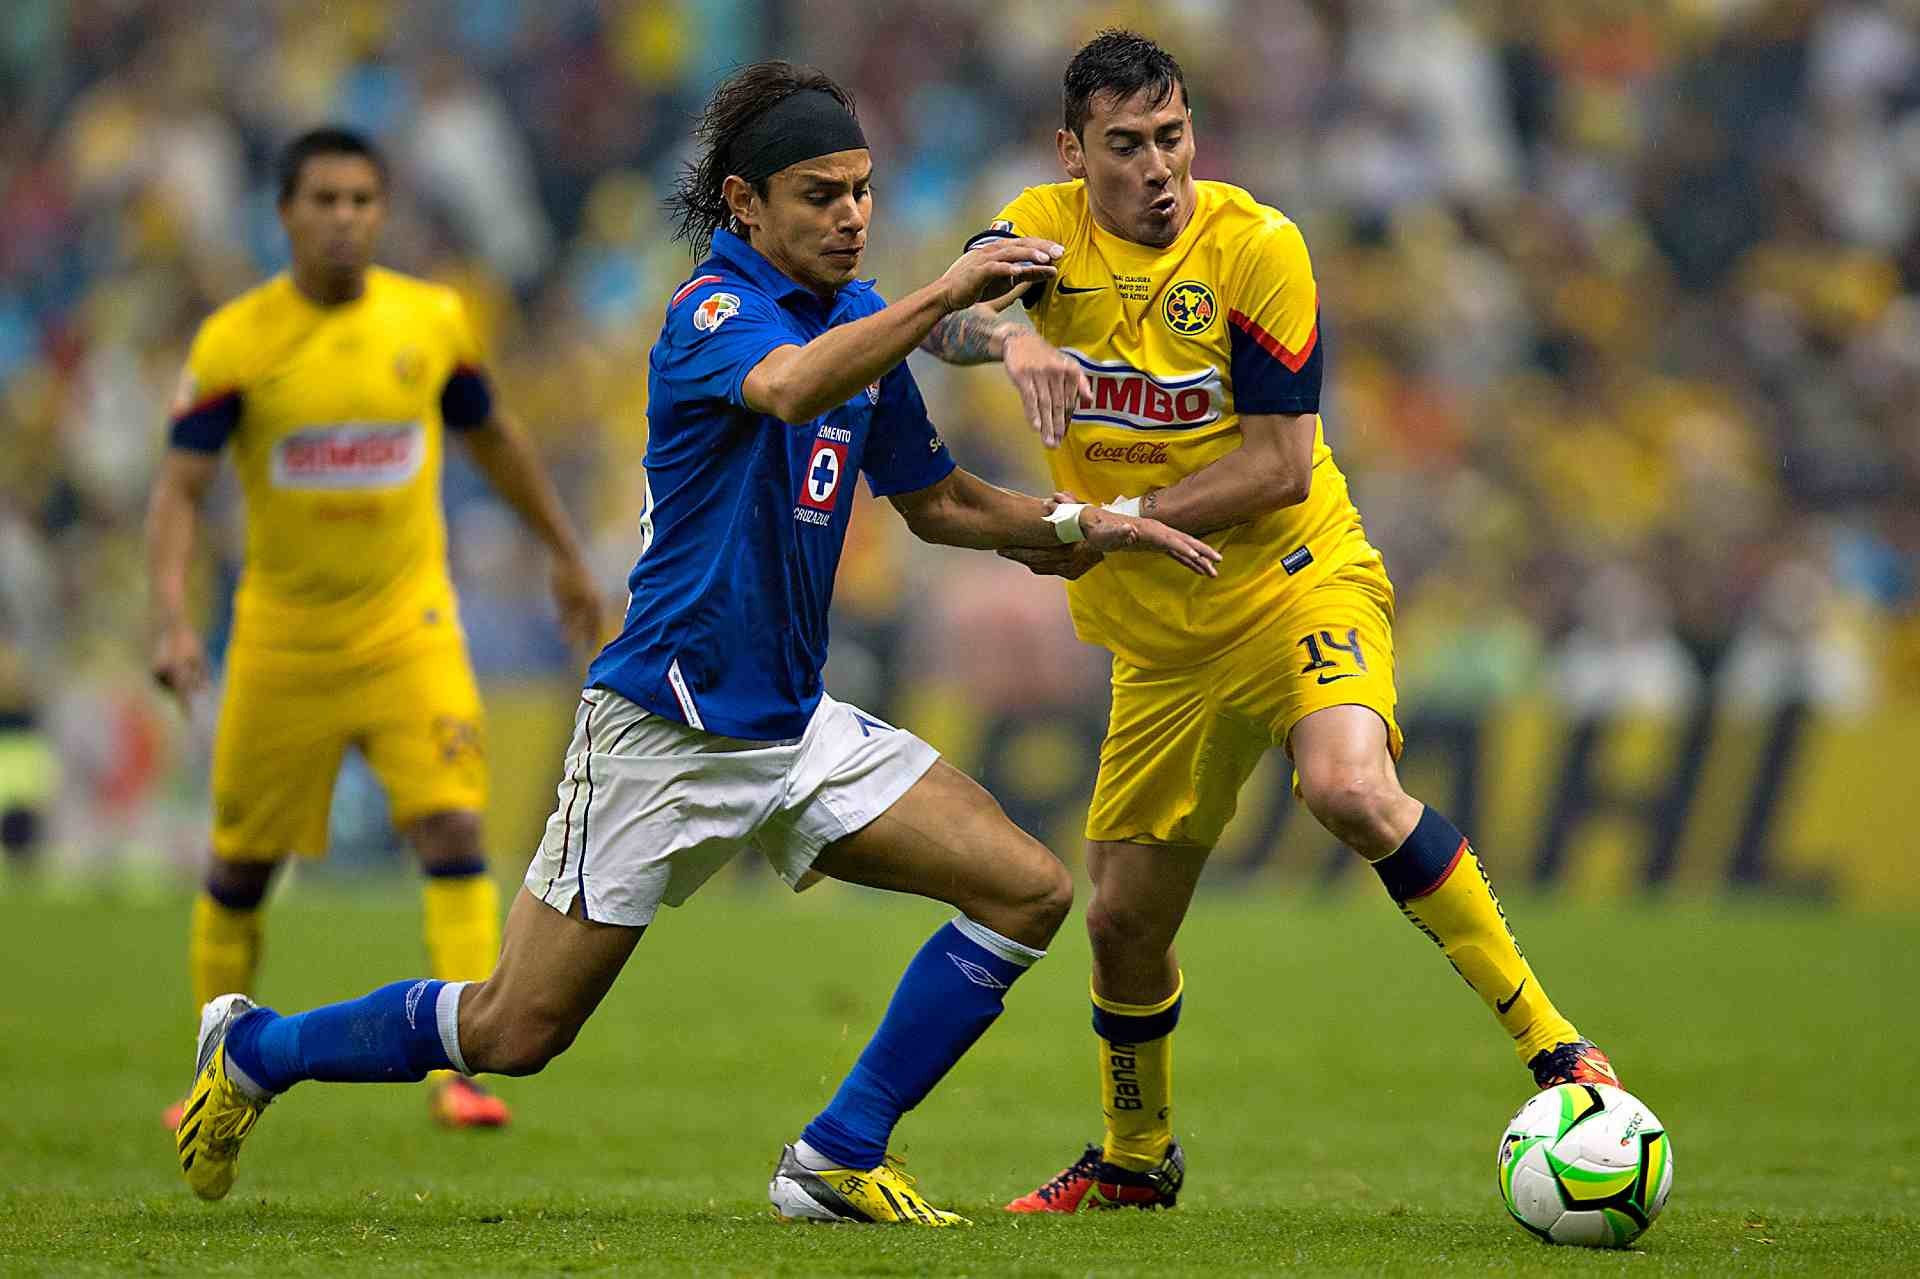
(1150, 503)
(965, 337)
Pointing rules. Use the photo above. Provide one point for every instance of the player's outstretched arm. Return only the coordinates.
(965, 510)
(173, 522)
(1051, 383)
(500, 449)
(1272, 469)
(798, 383)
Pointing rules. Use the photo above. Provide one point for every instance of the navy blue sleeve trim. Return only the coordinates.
(466, 401)
(1033, 292)
(206, 426)
(1269, 378)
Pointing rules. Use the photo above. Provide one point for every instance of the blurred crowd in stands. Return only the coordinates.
(1622, 297)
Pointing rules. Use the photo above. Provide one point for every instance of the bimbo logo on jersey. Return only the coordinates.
(1125, 396)
(350, 455)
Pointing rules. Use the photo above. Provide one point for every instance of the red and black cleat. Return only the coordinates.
(458, 1102)
(1091, 1183)
(1576, 1063)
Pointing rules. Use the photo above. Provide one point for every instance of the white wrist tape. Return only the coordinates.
(1066, 522)
(1124, 506)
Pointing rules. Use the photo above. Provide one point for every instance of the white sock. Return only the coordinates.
(1006, 947)
(809, 1158)
(241, 1080)
(446, 1013)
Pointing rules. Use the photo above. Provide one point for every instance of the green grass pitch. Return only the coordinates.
(1340, 1096)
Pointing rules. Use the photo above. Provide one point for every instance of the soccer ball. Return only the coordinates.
(1585, 1164)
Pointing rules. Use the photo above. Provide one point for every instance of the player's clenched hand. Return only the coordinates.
(1051, 383)
(180, 661)
(578, 602)
(989, 271)
(1070, 562)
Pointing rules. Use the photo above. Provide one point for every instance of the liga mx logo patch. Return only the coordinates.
(713, 312)
(1189, 308)
(820, 487)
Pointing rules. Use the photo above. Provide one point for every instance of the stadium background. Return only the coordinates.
(1625, 309)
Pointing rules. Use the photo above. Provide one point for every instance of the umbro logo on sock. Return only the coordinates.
(414, 992)
(975, 973)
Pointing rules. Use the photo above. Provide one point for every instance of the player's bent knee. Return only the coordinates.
(1357, 806)
(1043, 889)
(500, 1037)
(1125, 928)
(1053, 895)
(239, 885)
(528, 1047)
(1027, 897)
(521, 1048)
(451, 837)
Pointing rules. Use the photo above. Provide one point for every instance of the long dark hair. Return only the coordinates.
(696, 202)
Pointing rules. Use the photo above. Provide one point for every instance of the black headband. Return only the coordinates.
(799, 127)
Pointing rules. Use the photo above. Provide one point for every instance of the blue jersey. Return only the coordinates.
(726, 629)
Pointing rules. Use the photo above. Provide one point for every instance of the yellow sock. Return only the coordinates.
(461, 918)
(462, 924)
(1442, 888)
(223, 950)
(1136, 1077)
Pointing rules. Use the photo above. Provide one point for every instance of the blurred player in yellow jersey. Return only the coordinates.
(1174, 371)
(335, 384)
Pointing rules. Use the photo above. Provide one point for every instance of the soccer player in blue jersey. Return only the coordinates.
(704, 728)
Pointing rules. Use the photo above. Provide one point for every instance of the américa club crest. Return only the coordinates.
(1189, 308)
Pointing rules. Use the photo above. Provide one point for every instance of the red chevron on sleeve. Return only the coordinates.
(691, 285)
(1294, 360)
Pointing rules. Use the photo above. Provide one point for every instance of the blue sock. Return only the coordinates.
(949, 995)
(396, 1034)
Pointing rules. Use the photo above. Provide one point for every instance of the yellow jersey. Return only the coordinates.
(1178, 343)
(337, 415)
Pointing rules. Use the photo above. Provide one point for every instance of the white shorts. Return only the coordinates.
(649, 809)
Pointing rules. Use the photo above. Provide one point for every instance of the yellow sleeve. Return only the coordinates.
(1273, 317)
(460, 331)
(1029, 213)
(206, 406)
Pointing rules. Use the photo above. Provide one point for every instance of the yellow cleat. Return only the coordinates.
(880, 1194)
(218, 1115)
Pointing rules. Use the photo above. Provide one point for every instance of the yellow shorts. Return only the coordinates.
(283, 729)
(1182, 742)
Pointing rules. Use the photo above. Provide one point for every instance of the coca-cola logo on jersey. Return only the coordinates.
(350, 455)
(1143, 454)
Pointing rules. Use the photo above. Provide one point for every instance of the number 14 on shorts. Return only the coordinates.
(1323, 655)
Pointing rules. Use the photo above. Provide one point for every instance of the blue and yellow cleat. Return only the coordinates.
(883, 1194)
(218, 1115)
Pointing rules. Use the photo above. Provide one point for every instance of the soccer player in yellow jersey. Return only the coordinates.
(1174, 370)
(335, 383)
